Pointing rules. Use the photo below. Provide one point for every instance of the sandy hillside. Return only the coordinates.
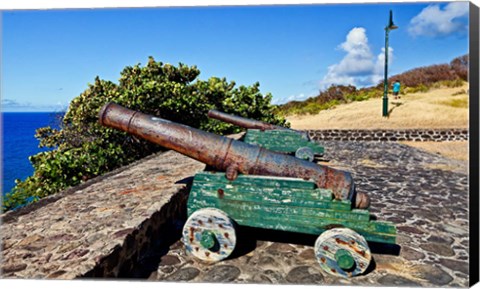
(437, 108)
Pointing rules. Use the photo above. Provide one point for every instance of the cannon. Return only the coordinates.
(273, 137)
(255, 187)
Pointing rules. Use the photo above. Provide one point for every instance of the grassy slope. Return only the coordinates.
(437, 108)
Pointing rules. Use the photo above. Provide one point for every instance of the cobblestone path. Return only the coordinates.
(425, 195)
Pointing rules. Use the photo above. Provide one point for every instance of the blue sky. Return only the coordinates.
(49, 56)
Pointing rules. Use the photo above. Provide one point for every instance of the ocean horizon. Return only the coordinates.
(19, 142)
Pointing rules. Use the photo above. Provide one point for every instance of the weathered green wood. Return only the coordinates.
(282, 132)
(270, 193)
(268, 196)
(302, 224)
(284, 144)
(283, 204)
(286, 211)
(280, 140)
(250, 180)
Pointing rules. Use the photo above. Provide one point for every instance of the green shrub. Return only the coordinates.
(419, 88)
(457, 103)
(459, 92)
(452, 83)
(83, 149)
(359, 96)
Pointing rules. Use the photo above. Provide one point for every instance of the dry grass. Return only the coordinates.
(457, 150)
(437, 108)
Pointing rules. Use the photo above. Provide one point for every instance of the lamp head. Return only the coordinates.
(391, 26)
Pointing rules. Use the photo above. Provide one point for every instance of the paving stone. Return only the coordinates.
(443, 240)
(456, 265)
(307, 254)
(281, 248)
(261, 278)
(167, 269)
(394, 280)
(10, 268)
(410, 229)
(184, 274)
(437, 248)
(169, 260)
(304, 275)
(411, 254)
(222, 273)
(268, 261)
(432, 274)
(396, 220)
(276, 276)
(153, 276)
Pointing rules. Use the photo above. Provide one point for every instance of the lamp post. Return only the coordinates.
(389, 27)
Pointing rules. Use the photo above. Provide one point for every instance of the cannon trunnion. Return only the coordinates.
(256, 187)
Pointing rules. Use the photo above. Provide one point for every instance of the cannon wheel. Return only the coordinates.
(342, 252)
(305, 153)
(209, 235)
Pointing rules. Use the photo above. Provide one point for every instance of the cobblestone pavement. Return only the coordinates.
(424, 194)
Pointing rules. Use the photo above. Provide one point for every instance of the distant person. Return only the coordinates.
(396, 89)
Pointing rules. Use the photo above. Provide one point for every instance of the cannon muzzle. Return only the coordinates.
(227, 154)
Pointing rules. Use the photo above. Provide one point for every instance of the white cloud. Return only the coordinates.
(298, 97)
(359, 58)
(10, 103)
(13, 105)
(434, 21)
(379, 70)
(359, 67)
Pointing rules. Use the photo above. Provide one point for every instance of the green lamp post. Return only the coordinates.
(389, 27)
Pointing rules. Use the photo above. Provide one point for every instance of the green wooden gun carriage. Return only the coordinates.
(256, 187)
(273, 137)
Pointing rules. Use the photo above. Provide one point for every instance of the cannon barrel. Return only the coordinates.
(246, 122)
(242, 121)
(228, 154)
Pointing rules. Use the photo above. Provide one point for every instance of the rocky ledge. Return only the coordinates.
(102, 228)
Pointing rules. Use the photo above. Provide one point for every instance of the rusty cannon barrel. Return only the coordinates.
(228, 154)
(246, 122)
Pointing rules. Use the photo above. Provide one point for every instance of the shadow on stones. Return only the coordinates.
(248, 237)
(371, 267)
(384, 249)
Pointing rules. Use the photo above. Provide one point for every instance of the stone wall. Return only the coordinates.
(390, 135)
(111, 226)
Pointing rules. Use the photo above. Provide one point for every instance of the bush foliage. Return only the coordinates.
(83, 149)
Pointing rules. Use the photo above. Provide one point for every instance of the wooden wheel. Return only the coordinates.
(209, 234)
(342, 252)
(305, 153)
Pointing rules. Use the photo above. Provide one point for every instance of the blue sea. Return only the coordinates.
(18, 130)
